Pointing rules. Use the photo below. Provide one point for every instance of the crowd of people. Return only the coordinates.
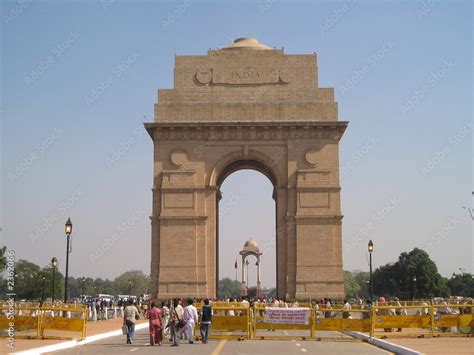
(171, 320)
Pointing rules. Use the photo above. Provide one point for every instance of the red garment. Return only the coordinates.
(155, 325)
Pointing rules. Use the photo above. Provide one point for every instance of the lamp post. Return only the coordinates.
(129, 288)
(83, 286)
(54, 264)
(414, 288)
(42, 293)
(370, 247)
(68, 231)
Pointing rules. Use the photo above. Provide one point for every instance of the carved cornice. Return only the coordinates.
(319, 220)
(245, 131)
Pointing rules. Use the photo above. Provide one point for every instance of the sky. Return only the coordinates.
(80, 78)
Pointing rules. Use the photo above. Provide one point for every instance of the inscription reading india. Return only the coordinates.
(242, 76)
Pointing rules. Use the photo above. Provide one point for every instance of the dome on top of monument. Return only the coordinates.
(250, 244)
(246, 42)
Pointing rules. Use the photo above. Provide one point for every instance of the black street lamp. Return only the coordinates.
(54, 265)
(83, 285)
(414, 288)
(129, 288)
(42, 293)
(370, 247)
(68, 231)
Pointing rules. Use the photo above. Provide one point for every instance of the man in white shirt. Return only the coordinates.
(190, 316)
(346, 306)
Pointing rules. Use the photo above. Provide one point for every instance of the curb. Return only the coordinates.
(73, 343)
(394, 348)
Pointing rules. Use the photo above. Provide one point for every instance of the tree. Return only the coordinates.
(229, 288)
(414, 275)
(3, 259)
(351, 287)
(461, 285)
(29, 281)
(140, 283)
(58, 283)
(362, 279)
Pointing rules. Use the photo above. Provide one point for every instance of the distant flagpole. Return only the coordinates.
(236, 284)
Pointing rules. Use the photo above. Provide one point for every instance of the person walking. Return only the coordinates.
(130, 315)
(190, 316)
(165, 317)
(206, 317)
(176, 314)
(346, 306)
(155, 324)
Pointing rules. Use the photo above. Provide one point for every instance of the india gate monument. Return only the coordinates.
(246, 106)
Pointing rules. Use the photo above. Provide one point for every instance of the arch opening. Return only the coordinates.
(246, 208)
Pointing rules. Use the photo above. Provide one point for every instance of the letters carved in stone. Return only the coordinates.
(242, 76)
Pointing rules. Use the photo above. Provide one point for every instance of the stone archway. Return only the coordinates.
(233, 163)
(246, 106)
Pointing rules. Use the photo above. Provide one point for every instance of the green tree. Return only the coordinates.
(110, 287)
(29, 281)
(140, 283)
(47, 271)
(461, 285)
(228, 288)
(3, 259)
(351, 287)
(362, 278)
(414, 275)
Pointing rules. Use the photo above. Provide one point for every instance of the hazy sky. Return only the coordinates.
(78, 81)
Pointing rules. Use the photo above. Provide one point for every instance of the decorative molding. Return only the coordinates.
(272, 131)
(320, 220)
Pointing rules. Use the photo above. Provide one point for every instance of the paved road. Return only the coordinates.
(116, 345)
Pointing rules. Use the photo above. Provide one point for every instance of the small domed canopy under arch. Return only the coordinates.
(250, 248)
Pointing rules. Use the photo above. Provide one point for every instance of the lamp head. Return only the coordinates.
(370, 246)
(54, 262)
(68, 227)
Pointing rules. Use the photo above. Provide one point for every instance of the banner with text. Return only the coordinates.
(296, 315)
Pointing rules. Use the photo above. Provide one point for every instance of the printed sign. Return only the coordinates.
(297, 315)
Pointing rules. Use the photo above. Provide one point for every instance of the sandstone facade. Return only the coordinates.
(246, 106)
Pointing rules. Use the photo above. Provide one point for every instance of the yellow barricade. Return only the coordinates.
(20, 317)
(54, 318)
(229, 327)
